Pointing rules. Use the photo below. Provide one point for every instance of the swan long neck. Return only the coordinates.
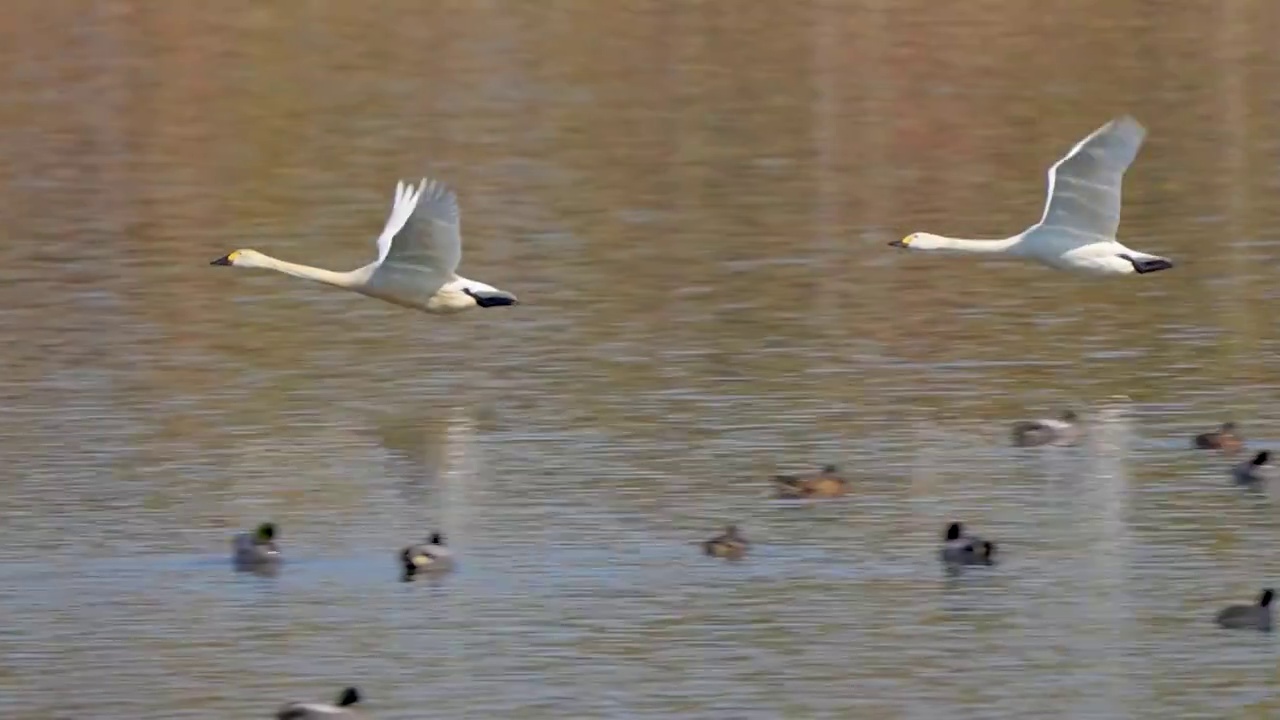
(329, 277)
(969, 245)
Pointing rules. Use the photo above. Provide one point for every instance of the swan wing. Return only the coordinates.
(423, 232)
(1084, 186)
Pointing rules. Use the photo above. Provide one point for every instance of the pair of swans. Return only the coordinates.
(421, 245)
(1081, 216)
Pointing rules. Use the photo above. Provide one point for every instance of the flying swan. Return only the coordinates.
(1081, 216)
(418, 252)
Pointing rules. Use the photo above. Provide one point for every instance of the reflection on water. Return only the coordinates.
(695, 213)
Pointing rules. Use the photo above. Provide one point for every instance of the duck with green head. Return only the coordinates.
(430, 557)
(256, 551)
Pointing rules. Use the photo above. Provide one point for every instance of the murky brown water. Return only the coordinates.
(693, 200)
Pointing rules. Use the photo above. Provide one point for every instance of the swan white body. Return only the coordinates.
(418, 255)
(1081, 216)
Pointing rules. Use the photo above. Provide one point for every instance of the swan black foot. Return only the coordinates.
(1147, 266)
(487, 299)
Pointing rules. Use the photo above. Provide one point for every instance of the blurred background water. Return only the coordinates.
(692, 199)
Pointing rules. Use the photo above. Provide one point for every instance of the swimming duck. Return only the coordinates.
(1224, 438)
(429, 557)
(961, 549)
(1251, 472)
(256, 551)
(730, 544)
(322, 711)
(824, 484)
(1248, 617)
(1060, 431)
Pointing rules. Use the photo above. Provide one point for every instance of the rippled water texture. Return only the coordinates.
(692, 199)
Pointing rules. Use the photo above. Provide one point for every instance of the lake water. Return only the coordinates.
(692, 200)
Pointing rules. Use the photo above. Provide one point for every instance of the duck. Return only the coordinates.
(419, 251)
(824, 484)
(429, 557)
(1248, 617)
(322, 711)
(1224, 438)
(257, 550)
(1063, 430)
(1251, 471)
(1077, 230)
(961, 549)
(729, 545)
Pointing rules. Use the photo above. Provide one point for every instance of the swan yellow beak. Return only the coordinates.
(228, 259)
(420, 560)
(904, 242)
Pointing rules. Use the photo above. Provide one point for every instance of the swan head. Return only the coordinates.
(241, 258)
(922, 241)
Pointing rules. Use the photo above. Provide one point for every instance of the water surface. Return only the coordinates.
(693, 201)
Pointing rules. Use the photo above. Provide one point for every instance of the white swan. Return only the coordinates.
(418, 254)
(1081, 216)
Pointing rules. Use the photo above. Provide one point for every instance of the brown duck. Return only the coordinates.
(824, 484)
(1224, 438)
(729, 545)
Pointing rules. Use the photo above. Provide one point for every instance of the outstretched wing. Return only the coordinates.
(1084, 186)
(423, 231)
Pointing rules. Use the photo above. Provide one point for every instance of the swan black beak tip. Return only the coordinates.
(224, 260)
(897, 244)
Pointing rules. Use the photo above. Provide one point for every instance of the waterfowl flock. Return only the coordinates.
(420, 249)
